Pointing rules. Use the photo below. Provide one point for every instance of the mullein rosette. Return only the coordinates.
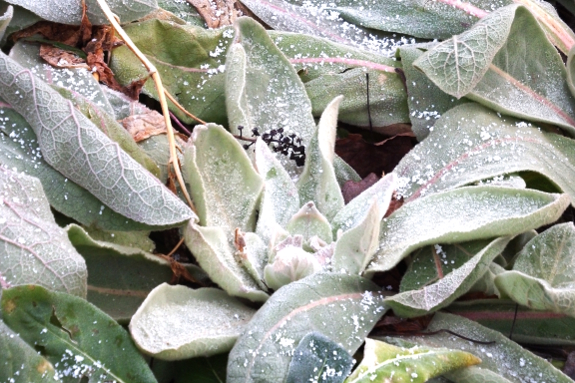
(259, 229)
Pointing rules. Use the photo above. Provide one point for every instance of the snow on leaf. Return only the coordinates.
(33, 248)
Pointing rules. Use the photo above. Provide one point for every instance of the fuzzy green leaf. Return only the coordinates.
(494, 62)
(19, 362)
(263, 90)
(190, 60)
(461, 215)
(355, 248)
(542, 276)
(212, 248)
(318, 182)
(344, 308)
(434, 296)
(223, 182)
(329, 69)
(280, 199)
(176, 322)
(121, 273)
(477, 144)
(33, 248)
(20, 151)
(70, 332)
(418, 364)
(503, 357)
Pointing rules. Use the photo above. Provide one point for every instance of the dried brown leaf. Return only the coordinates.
(143, 126)
(217, 13)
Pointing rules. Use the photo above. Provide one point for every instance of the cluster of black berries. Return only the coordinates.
(290, 145)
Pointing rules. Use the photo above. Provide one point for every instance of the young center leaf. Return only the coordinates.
(176, 322)
(343, 308)
(33, 248)
(318, 182)
(461, 215)
(75, 147)
(222, 180)
(74, 336)
(542, 276)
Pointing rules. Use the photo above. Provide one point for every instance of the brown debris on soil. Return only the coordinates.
(94, 41)
(217, 13)
(368, 158)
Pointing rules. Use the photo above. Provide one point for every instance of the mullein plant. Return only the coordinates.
(267, 229)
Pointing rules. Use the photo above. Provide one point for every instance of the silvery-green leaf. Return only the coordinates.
(357, 209)
(457, 64)
(222, 180)
(283, 16)
(344, 308)
(190, 59)
(441, 293)
(20, 151)
(474, 374)
(426, 101)
(176, 322)
(279, 200)
(542, 276)
(461, 215)
(88, 96)
(503, 357)
(214, 253)
(318, 358)
(33, 248)
(75, 147)
(483, 64)
(355, 248)
(263, 90)
(309, 222)
(70, 11)
(418, 364)
(329, 69)
(477, 144)
(290, 264)
(20, 362)
(437, 20)
(430, 264)
(318, 182)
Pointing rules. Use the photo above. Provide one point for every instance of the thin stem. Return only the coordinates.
(160, 88)
(179, 123)
(175, 247)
